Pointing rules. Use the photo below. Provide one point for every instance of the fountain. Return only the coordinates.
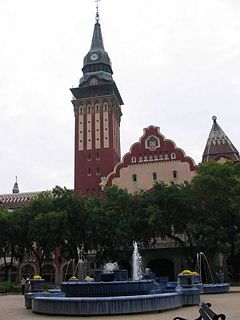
(110, 292)
(207, 283)
(67, 268)
(136, 263)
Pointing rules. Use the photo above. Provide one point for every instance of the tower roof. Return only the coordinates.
(15, 187)
(219, 145)
(97, 39)
(96, 63)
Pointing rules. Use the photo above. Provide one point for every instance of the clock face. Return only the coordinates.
(94, 56)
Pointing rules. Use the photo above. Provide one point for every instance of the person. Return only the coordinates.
(27, 284)
(23, 284)
(220, 275)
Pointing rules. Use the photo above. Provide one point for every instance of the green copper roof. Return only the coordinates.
(97, 62)
(97, 39)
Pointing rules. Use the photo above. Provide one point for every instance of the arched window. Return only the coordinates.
(27, 270)
(134, 159)
(48, 273)
(175, 174)
(173, 156)
(134, 177)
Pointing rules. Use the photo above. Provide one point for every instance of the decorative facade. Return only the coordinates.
(153, 159)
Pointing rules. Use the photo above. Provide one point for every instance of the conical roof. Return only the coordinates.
(97, 39)
(15, 187)
(219, 145)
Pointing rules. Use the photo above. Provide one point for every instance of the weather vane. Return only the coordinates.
(97, 13)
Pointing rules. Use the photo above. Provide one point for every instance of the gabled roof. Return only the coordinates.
(219, 145)
(152, 147)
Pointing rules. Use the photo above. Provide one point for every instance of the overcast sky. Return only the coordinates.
(176, 64)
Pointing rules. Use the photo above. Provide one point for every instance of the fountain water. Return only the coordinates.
(204, 267)
(68, 265)
(79, 270)
(110, 267)
(137, 263)
(207, 285)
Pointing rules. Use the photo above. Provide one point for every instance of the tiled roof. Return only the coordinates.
(16, 200)
(219, 145)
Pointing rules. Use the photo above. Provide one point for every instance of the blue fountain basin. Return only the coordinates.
(88, 306)
(215, 288)
(107, 289)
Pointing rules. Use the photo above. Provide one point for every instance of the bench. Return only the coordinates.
(206, 314)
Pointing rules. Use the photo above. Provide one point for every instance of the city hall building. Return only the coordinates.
(98, 163)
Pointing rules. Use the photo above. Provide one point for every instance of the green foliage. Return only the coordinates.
(9, 287)
(203, 215)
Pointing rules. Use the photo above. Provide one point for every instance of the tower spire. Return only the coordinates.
(15, 187)
(97, 12)
(219, 146)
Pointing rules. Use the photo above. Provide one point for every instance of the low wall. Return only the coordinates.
(106, 305)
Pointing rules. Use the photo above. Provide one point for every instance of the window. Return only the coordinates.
(98, 172)
(134, 159)
(173, 156)
(93, 81)
(154, 175)
(89, 157)
(174, 174)
(89, 172)
(134, 177)
(97, 156)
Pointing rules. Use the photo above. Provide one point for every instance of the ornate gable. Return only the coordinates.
(153, 155)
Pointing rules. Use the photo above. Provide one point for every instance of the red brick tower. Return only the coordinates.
(97, 107)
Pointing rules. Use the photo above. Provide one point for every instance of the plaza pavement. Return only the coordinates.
(12, 308)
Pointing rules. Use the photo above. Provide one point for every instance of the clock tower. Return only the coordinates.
(97, 108)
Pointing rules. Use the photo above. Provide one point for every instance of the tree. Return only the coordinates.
(10, 248)
(38, 228)
(173, 211)
(216, 187)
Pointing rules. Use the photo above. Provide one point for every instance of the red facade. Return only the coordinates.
(95, 158)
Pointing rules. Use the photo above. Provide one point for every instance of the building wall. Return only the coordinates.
(145, 175)
(153, 159)
(97, 141)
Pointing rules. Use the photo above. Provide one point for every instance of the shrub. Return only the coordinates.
(9, 287)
